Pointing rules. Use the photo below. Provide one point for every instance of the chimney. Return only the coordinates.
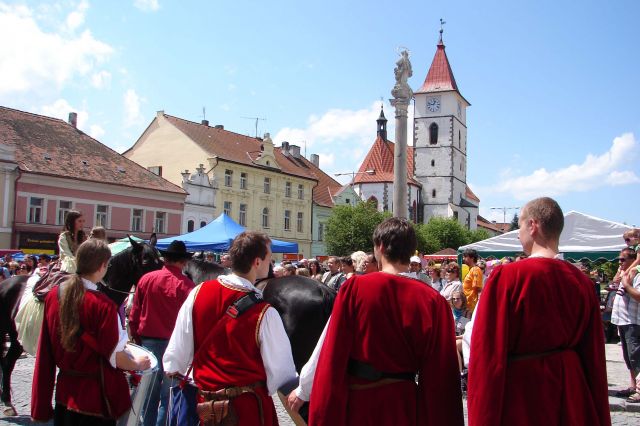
(315, 160)
(205, 123)
(295, 151)
(285, 147)
(73, 119)
(219, 126)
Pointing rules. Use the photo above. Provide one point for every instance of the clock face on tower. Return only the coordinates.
(433, 104)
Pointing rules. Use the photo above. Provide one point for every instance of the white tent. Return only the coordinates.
(583, 237)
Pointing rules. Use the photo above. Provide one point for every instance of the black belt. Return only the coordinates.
(362, 370)
(521, 357)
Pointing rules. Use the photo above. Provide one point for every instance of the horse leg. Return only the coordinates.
(7, 363)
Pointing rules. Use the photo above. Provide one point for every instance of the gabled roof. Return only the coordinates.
(237, 148)
(496, 227)
(380, 159)
(52, 147)
(327, 187)
(469, 195)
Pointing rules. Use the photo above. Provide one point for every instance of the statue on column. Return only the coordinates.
(403, 71)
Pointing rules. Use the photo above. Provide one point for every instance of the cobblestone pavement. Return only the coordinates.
(621, 413)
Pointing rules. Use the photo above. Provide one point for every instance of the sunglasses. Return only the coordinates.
(456, 298)
(626, 240)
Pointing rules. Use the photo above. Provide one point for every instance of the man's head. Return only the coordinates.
(395, 240)
(251, 251)
(627, 256)
(304, 263)
(176, 254)
(470, 257)
(278, 271)
(333, 263)
(541, 221)
(209, 257)
(632, 237)
(414, 264)
(370, 264)
(225, 261)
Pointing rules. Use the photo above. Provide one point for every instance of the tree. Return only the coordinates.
(350, 228)
(477, 235)
(447, 231)
(427, 243)
(514, 223)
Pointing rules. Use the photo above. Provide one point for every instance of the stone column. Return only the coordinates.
(402, 95)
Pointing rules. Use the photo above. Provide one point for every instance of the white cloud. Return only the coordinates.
(36, 60)
(132, 108)
(101, 79)
(594, 172)
(147, 5)
(76, 18)
(96, 132)
(61, 109)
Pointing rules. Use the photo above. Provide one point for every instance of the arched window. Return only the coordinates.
(265, 217)
(433, 194)
(433, 134)
(203, 224)
(190, 225)
(373, 200)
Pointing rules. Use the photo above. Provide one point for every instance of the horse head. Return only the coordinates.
(128, 266)
(200, 271)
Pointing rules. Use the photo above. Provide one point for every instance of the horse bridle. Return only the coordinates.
(128, 293)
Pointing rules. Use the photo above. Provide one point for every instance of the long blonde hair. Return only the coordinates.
(91, 255)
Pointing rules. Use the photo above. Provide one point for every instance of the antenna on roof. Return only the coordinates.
(256, 119)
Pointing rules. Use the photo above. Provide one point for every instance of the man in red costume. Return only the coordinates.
(248, 358)
(386, 328)
(537, 352)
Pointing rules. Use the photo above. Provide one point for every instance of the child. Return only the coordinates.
(632, 239)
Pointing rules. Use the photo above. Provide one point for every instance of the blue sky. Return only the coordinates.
(553, 87)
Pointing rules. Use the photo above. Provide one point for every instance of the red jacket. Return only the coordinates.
(107, 397)
(159, 296)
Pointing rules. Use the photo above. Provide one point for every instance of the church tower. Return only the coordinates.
(440, 141)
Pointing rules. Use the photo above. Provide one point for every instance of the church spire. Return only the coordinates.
(382, 124)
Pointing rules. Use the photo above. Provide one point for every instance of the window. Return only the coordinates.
(433, 163)
(102, 214)
(267, 185)
(433, 193)
(287, 220)
(300, 192)
(63, 208)
(136, 220)
(242, 216)
(228, 177)
(203, 224)
(160, 222)
(190, 225)
(300, 222)
(433, 134)
(347, 201)
(243, 181)
(287, 189)
(156, 170)
(459, 138)
(35, 209)
(265, 217)
(320, 231)
(227, 208)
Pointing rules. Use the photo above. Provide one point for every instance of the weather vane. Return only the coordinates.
(442, 22)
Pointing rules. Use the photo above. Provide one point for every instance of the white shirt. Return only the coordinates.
(308, 372)
(122, 333)
(275, 348)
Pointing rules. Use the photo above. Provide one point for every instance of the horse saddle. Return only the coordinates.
(53, 277)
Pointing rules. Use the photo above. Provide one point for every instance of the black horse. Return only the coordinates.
(125, 269)
(303, 303)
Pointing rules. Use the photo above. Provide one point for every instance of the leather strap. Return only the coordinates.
(363, 370)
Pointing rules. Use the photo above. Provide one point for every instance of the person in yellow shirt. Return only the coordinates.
(472, 283)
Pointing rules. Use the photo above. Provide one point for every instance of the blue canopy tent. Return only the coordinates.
(217, 235)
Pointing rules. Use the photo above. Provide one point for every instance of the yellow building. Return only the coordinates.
(261, 187)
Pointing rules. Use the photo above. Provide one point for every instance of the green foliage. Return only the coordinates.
(478, 235)
(447, 232)
(514, 223)
(350, 228)
(427, 243)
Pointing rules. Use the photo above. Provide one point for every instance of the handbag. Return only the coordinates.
(183, 397)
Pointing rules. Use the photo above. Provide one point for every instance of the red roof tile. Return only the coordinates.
(326, 188)
(498, 227)
(238, 148)
(440, 77)
(53, 147)
(469, 195)
(380, 159)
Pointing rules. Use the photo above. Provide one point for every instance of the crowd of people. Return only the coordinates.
(402, 334)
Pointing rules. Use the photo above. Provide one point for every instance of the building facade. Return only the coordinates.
(8, 174)
(199, 207)
(258, 185)
(60, 168)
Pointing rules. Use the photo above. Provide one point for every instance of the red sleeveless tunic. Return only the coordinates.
(232, 357)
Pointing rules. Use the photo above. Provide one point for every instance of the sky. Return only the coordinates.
(553, 87)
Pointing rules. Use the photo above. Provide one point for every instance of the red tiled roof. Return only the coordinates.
(469, 195)
(380, 159)
(498, 227)
(326, 188)
(440, 77)
(53, 147)
(238, 148)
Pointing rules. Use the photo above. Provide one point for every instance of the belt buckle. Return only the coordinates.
(232, 311)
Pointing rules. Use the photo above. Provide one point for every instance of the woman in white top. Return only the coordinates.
(69, 240)
(452, 277)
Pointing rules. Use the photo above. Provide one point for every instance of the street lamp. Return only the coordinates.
(353, 174)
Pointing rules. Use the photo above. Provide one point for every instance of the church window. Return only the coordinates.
(433, 163)
(203, 224)
(190, 225)
(433, 193)
(433, 134)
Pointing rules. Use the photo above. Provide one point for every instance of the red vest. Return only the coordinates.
(87, 383)
(232, 357)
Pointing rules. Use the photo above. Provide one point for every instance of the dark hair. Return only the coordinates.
(547, 213)
(90, 256)
(318, 268)
(453, 267)
(628, 252)
(347, 260)
(77, 235)
(398, 238)
(246, 247)
(470, 253)
(462, 297)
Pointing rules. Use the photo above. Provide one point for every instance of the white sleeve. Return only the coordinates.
(308, 372)
(179, 353)
(466, 337)
(275, 350)
(123, 337)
